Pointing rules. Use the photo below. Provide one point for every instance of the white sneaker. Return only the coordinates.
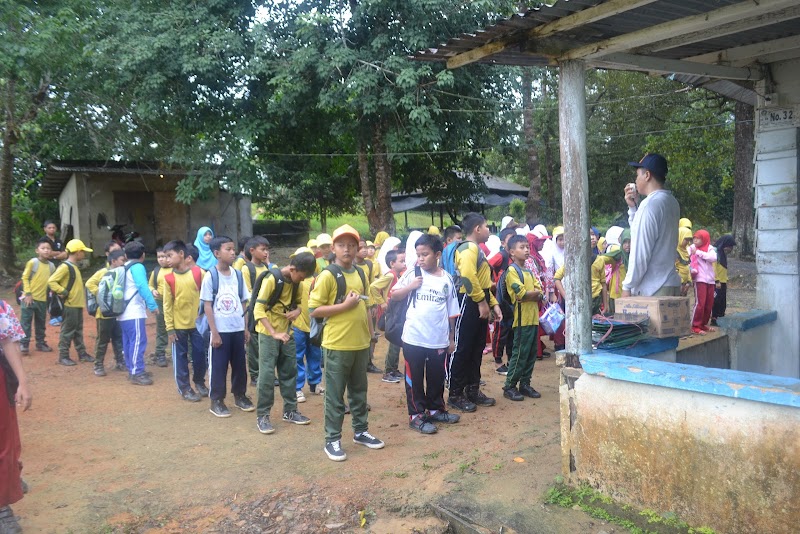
(320, 390)
(300, 396)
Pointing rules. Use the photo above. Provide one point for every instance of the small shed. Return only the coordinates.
(93, 195)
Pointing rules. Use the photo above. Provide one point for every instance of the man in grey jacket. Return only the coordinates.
(654, 232)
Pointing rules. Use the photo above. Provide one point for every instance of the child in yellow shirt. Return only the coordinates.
(525, 293)
(309, 356)
(34, 300)
(108, 329)
(379, 291)
(66, 282)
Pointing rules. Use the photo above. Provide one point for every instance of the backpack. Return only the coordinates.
(449, 260)
(56, 306)
(382, 314)
(504, 299)
(91, 302)
(318, 325)
(201, 323)
(18, 287)
(111, 292)
(396, 314)
(273, 298)
(197, 272)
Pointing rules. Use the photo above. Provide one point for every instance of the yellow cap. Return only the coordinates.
(557, 231)
(345, 230)
(76, 245)
(300, 251)
(312, 243)
(324, 239)
(433, 230)
(370, 244)
(685, 223)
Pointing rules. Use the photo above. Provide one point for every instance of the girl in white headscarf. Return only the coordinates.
(391, 243)
(508, 219)
(612, 236)
(411, 248)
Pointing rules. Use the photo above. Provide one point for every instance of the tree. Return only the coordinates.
(743, 212)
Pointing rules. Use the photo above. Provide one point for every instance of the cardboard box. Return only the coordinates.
(669, 316)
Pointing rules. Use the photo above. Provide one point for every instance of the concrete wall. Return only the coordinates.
(728, 463)
(87, 195)
(776, 203)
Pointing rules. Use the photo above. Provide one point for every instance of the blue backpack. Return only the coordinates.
(201, 323)
(504, 299)
(449, 260)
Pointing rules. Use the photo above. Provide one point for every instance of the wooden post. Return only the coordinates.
(441, 217)
(574, 194)
(405, 216)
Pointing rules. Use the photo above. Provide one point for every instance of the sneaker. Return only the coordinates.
(86, 358)
(390, 378)
(296, 418)
(253, 382)
(161, 361)
(141, 380)
(368, 440)
(512, 394)
(475, 395)
(421, 425)
(24, 349)
(202, 390)
(190, 395)
(264, 426)
(55, 321)
(399, 375)
(528, 391)
(43, 347)
(334, 451)
(277, 383)
(25, 487)
(444, 417)
(371, 368)
(460, 402)
(8, 521)
(219, 409)
(69, 362)
(99, 371)
(502, 370)
(301, 397)
(244, 403)
(120, 367)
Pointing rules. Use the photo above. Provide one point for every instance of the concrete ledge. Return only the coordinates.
(645, 347)
(747, 320)
(736, 384)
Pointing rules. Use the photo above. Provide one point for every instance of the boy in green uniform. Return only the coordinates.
(525, 293)
(156, 283)
(371, 271)
(345, 342)
(67, 283)
(257, 254)
(34, 300)
(108, 329)
(276, 346)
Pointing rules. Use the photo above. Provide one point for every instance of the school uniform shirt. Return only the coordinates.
(228, 308)
(303, 321)
(180, 308)
(527, 314)
(321, 264)
(275, 316)
(58, 284)
(239, 262)
(379, 289)
(35, 284)
(615, 277)
(598, 272)
(720, 273)
(428, 318)
(246, 275)
(93, 284)
(158, 283)
(137, 293)
(476, 279)
(371, 272)
(348, 330)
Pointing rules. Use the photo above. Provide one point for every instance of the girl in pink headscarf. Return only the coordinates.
(701, 264)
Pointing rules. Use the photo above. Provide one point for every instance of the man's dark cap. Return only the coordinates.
(655, 163)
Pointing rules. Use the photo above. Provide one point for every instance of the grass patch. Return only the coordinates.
(603, 507)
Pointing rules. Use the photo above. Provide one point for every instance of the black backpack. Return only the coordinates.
(396, 314)
(56, 306)
(318, 325)
(273, 298)
(504, 299)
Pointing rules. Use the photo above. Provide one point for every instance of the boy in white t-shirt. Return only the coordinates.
(226, 322)
(428, 335)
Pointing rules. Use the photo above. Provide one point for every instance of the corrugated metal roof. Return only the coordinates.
(522, 50)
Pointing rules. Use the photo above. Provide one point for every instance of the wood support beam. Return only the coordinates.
(622, 61)
(702, 22)
(570, 22)
(744, 55)
(575, 205)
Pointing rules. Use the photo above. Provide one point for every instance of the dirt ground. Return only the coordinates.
(102, 455)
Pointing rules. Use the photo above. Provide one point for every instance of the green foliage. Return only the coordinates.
(517, 209)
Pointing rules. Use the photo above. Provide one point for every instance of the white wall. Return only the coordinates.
(777, 234)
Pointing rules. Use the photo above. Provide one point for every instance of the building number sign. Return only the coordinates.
(777, 118)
